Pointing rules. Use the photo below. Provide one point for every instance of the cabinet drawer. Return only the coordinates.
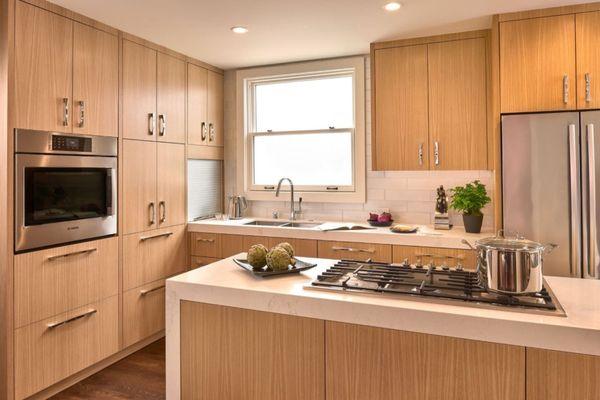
(55, 348)
(232, 245)
(150, 256)
(198, 262)
(53, 281)
(205, 244)
(355, 251)
(143, 312)
(450, 257)
(302, 247)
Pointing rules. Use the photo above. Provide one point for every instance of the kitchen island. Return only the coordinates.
(230, 334)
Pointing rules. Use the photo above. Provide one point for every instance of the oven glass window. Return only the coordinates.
(66, 194)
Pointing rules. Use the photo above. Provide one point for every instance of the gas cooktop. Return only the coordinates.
(429, 281)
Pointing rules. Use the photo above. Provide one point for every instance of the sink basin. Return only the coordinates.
(301, 224)
(266, 223)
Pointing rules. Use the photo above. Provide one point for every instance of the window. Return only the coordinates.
(305, 123)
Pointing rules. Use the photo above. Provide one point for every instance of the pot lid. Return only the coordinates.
(500, 242)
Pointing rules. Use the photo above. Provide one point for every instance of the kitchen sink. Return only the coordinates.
(284, 224)
(266, 223)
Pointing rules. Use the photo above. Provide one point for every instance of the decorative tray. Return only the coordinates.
(292, 269)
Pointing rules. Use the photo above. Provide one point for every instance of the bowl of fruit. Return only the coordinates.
(383, 219)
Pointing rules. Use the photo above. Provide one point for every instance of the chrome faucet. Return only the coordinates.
(293, 210)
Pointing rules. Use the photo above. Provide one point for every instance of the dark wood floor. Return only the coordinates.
(139, 376)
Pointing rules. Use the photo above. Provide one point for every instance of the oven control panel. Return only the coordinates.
(71, 143)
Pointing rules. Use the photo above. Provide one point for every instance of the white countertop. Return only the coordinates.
(227, 284)
(426, 235)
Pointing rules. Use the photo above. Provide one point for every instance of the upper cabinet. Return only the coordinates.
(66, 74)
(205, 107)
(429, 106)
(587, 27)
(537, 64)
(153, 95)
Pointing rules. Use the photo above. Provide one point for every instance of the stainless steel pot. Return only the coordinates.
(511, 265)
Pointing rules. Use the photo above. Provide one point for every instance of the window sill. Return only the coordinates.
(312, 197)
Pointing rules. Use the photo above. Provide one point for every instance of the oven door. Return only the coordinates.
(62, 199)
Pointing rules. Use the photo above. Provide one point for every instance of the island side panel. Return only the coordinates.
(233, 353)
(374, 363)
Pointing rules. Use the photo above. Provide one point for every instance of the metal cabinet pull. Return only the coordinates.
(421, 154)
(151, 123)
(205, 240)
(65, 101)
(53, 325)
(203, 131)
(75, 253)
(593, 234)
(152, 210)
(566, 89)
(211, 132)
(436, 153)
(144, 292)
(588, 88)
(353, 250)
(162, 125)
(81, 113)
(160, 235)
(162, 209)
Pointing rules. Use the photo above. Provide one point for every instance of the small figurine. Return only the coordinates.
(441, 204)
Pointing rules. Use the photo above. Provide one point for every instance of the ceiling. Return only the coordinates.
(290, 30)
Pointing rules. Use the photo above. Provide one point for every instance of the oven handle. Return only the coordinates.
(110, 211)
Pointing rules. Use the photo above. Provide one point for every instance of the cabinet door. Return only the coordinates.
(143, 312)
(215, 109)
(95, 81)
(43, 69)
(400, 135)
(139, 92)
(537, 58)
(171, 184)
(302, 247)
(140, 210)
(457, 105)
(197, 106)
(171, 99)
(588, 60)
(450, 257)
(355, 251)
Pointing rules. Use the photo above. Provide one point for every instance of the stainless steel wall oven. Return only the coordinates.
(65, 188)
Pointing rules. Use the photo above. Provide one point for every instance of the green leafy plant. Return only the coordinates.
(470, 199)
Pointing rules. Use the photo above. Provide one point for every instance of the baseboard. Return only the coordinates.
(81, 375)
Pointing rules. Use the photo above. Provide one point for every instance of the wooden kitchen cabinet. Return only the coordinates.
(588, 60)
(400, 139)
(215, 109)
(43, 69)
(355, 251)
(205, 107)
(143, 312)
(170, 99)
(537, 64)
(171, 189)
(467, 258)
(457, 105)
(95, 81)
(139, 92)
(302, 247)
(556, 375)
(198, 261)
(374, 363)
(207, 244)
(270, 356)
(139, 186)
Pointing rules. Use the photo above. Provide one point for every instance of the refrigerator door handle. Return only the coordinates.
(575, 200)
(591, 214)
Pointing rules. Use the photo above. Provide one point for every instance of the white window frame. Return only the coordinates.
(246, 81)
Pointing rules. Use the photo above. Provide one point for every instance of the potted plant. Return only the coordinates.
(469, 200)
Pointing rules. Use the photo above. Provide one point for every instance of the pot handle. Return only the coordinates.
(549, 248)
(465, 241)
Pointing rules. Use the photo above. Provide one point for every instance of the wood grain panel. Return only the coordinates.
(44, 355)
(202, 152)
(588, 59)
(355, 251)
(400, 126)
(171, 88)
(150, 256)
(197, 105)
(43, 68)
(143, 312)
(232, 245)
(215, 109)
(447, 37)
(302, 247)
(207, 244)
(457, 104)
(374, 363)
(555, 375)
(46, 286)
(139, 186)
(171, 184)
(230, 353)
(95, 81)
(250, 241)
(198, 262)
(467, 258)
(139, 91)
(535, 55)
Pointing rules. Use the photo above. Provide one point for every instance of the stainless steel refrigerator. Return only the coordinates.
(550, 173)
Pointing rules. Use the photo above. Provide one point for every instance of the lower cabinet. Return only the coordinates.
(198, 262)
(355, 251)
(53, 349)
(230, 353)
(143, 312)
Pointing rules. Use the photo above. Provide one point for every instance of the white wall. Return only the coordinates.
(408, 195)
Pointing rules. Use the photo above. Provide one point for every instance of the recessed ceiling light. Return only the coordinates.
(239, 29)
(392, 6)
